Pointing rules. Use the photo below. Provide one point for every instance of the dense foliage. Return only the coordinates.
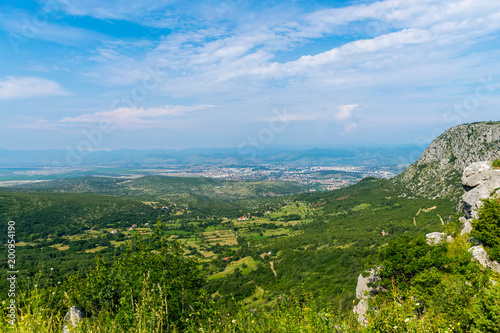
(487, 227)
(153, 273)
(437, 283)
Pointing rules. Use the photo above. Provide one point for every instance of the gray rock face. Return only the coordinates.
(437, 173)
(466, 225)
(72, 318)
(480, 255)
(434, 238)
(363, 293)
(480, 180)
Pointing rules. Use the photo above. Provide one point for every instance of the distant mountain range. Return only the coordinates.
(393, 155)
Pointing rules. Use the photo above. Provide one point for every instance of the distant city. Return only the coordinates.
(327, 177)
(316, 177)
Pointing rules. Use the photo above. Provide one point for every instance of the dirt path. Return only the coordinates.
(272, 267)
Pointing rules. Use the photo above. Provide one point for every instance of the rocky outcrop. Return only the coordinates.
(72, 318)
(480, 181)
(363, 293)
(435, 238)
(438, 172)
(480, 255)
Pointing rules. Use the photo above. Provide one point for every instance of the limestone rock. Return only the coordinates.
(364, 292)
(476, 173)
(466, 226)
(479, 180)
(73, 317)
(434, 238)
(479, 254)
(361, 309)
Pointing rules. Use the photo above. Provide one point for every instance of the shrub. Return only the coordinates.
(487, 311)
(152, 282)
(487, 227)
(496, 164)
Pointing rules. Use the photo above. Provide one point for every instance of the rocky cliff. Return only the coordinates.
(438, 172)
(479, 180)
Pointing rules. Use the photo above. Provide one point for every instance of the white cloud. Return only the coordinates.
(135, 117)
(29, 87)
(345, 111)
(34, 124)
(349, 128)
(391, 34)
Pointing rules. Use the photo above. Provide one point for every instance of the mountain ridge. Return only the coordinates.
(437, 174)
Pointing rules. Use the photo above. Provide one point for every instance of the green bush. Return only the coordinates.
(487, 311)
(487, 227)
(151, 284)
(406, 257)
(426, 288)
(496, 164)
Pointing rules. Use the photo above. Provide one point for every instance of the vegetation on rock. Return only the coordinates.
(487, 227)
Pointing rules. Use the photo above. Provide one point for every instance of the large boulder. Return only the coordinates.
(479, 254)
(434, 238)
(479, 181)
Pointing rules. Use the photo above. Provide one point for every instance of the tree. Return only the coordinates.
(153, 274)
(405, 257)
(487, 227)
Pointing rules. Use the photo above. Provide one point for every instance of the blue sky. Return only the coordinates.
(175, 74)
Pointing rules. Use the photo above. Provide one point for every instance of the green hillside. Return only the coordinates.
(177, 188)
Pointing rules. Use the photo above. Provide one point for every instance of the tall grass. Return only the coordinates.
(302, 313)
(42, 309)
(38, 306)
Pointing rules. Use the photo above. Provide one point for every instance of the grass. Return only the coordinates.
(60, 247)
(96, 249)
(249, 261)
(299, 314)
(360, 207)
(496, 164)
